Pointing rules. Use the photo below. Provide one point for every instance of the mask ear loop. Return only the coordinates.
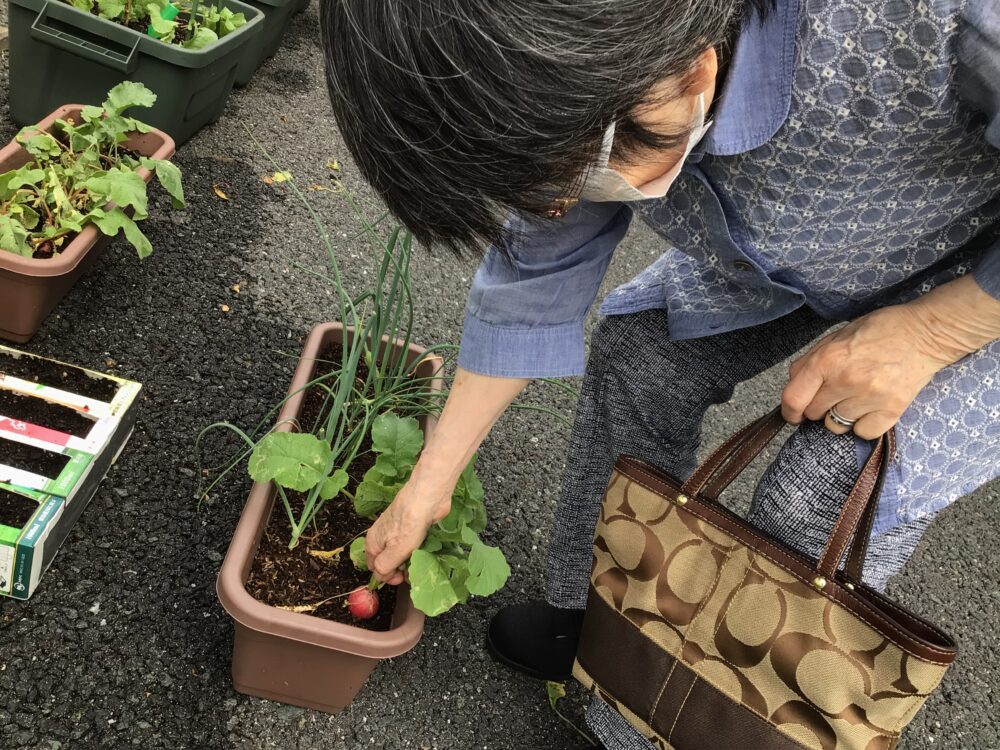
(609, 141)
(563, 205)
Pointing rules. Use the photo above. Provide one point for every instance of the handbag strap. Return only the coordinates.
(857, 515)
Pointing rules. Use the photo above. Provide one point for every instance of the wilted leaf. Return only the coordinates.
(556, 692)
(121, 186)
(327, 555)
(277, 177)
(218, 192)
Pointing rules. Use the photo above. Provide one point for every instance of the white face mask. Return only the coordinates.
(604, 184)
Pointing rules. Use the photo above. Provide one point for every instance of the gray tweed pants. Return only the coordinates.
(646, 395)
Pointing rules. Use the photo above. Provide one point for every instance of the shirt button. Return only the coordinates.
(742, 266)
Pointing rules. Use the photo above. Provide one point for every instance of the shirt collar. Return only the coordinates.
(757, 93)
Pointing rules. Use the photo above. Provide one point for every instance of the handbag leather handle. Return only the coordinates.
(857, 516)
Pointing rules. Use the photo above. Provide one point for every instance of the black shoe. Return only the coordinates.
(536, 638)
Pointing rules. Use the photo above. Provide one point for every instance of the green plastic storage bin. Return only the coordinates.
(277, 14)
(61, 55)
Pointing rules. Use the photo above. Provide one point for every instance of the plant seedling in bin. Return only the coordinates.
(80, 174)
(188, 25)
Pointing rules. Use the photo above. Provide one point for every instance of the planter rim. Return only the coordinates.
(77, 250)
(154, 47)
(271, 3)
(304, 628)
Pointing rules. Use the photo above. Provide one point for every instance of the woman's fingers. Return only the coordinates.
(836, 427)
(802, 388)
(869, 419)
(874, 424)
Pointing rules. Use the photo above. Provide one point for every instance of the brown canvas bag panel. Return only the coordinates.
(705, 632)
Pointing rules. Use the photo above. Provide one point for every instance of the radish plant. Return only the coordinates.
(81, 174)
(375, 396)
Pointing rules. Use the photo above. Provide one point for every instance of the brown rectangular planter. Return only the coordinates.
(30, 288)
(293, 657)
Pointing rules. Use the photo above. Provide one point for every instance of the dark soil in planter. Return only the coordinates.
(55, 375)
(16, 510)
(44, 414)
(29, 458)
(282, 577)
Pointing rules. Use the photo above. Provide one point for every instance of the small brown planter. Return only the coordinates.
(30, 288)
(298, 658)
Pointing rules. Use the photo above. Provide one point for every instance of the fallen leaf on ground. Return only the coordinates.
(235, 288)
(322, 188)
(224, 308)
(333, 164)
(110, 363)
(219, 193)
(277, 177)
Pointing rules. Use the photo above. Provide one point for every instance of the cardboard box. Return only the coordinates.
(42, 464)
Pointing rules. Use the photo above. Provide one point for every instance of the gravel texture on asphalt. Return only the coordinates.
(125, 644)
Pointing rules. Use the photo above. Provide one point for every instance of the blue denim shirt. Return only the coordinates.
(853, 157)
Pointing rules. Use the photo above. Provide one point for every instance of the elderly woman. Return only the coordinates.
(805, 162)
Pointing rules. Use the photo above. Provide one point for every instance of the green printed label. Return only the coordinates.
(40, 522)
(66, 481)
(22, 572)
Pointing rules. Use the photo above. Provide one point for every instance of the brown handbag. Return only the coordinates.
(705, 633)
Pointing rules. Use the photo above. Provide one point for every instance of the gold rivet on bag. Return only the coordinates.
(681, 499)
(819, 582)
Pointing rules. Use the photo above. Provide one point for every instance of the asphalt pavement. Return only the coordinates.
(125, 644)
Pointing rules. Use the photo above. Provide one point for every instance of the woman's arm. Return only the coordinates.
(473, 406)
(873, 368)
(524, 320)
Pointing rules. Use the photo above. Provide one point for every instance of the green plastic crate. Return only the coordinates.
(277, 14)
(61, 55)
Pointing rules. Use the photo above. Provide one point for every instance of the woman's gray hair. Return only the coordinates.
(459, 112)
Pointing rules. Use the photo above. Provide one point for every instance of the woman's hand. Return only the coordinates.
(473, 407)
(872, 369)
(403, 526)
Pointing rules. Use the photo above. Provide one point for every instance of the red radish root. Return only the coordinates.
(363, 603)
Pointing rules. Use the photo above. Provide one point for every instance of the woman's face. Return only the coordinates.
(670, 116)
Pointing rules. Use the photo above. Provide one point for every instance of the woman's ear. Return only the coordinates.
(703, 73)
